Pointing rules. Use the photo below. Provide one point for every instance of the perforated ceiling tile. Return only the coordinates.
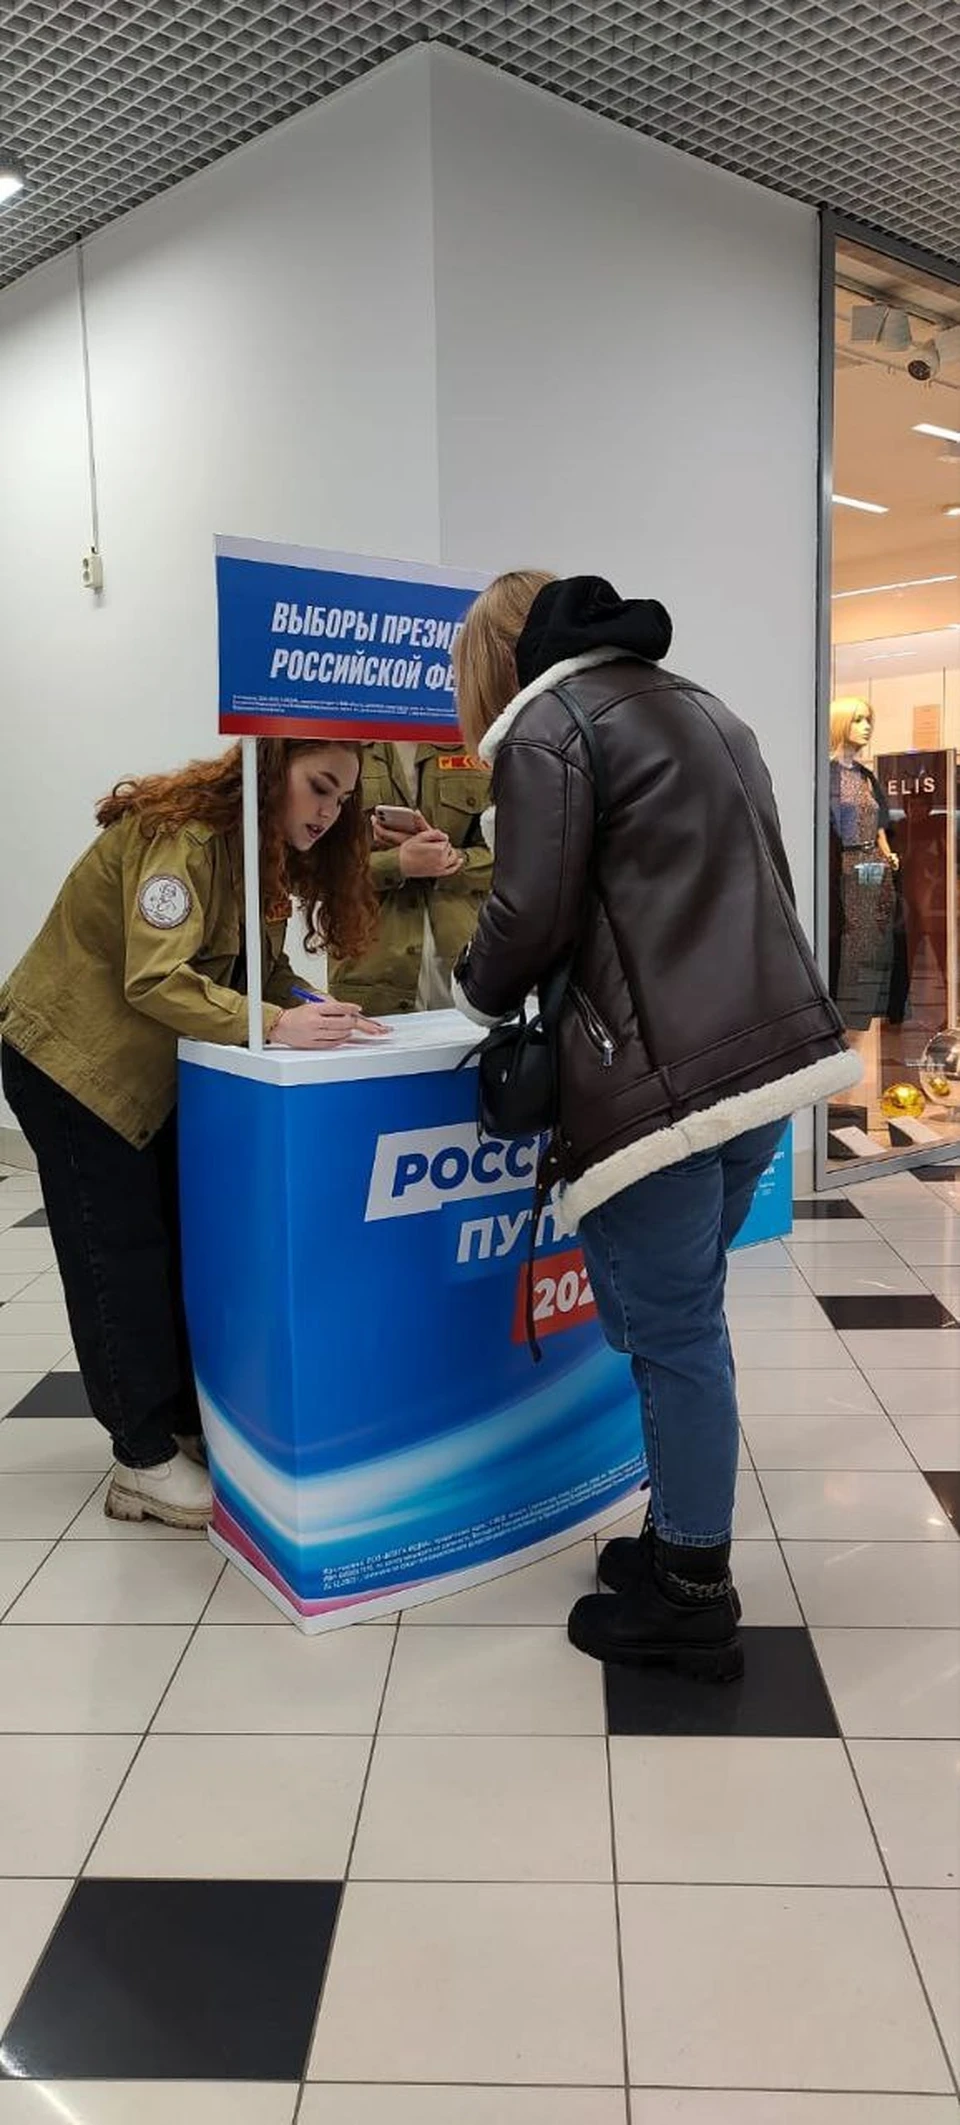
(839, 102)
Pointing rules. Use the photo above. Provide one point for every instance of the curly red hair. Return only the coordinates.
(331, 881)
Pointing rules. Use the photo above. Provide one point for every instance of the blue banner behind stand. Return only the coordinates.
(325, 645)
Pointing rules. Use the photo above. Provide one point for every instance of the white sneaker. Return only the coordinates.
(176, 1492)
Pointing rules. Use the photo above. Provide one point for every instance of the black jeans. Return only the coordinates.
(114, 1220)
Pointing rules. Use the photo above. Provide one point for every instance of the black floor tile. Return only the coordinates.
(782, 1692)
(176, 1981)
(888, 1310)
(935, 1174)
(61, 1394)
(827, 1207)
(945, 1485)
(36, 1217)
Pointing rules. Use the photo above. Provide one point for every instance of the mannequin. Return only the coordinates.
(862, 898)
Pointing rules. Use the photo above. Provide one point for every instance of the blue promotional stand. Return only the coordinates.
(355, 1276)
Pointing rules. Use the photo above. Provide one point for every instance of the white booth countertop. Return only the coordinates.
(416, 1043)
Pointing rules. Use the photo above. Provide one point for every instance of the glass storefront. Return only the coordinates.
(890, 728)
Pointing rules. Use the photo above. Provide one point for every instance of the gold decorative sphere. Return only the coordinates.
(940, 1068)
(900, 1100)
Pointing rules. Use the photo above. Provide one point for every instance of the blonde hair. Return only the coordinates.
(484, 660)
(843, 716)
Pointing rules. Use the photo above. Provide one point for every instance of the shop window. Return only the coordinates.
(890, 732)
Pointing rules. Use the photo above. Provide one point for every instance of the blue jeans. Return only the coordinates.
(657, 1257)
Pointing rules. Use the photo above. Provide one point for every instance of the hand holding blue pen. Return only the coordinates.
(333, 1029)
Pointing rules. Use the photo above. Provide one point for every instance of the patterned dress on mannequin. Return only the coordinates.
(864, 899)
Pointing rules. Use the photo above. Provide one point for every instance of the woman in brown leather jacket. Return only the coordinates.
(694, 1023)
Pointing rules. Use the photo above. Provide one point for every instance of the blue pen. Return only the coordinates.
(308, 996)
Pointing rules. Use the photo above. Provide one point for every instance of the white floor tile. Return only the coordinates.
(887, 1194)
(789, 1350)
(237, 1600)
(811, 1505)
(912, 1792)
(764, 1987)
(251, 1680)
(45, 1287)
(901, 1349)
(771, 1393)
(104, 1582)
(33, 1353)
(745, 1280)
(35, 1506)
(751, 1520)
(486, 1680)
(923, 1249)
(506, 1808)
(92, 1525)
(797, 1313)
(18, 1562)
(845, 1442)
(934, 1441)
(55, 1791)
(917, 1393)
(832, 1273)
(903, 1684)
(67, 1364)
(877, 1585)
(14, 1386)
(56, 1446)
(14, 1283)
(739, 1810)
(30, 1912)
(741, 2106)
(763, 1584)
(932, 1918)
(945, 1285)
(23, 1317)
(538, 1593)
(853, 1235)
(86, 1680)
(200, 1807)
(486, 1982)
(149, 2102)
(26, 1251)
(463, 2106)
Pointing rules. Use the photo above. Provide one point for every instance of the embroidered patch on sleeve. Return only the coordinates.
(164, 902)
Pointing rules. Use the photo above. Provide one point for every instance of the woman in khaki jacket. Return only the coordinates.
(145, 944)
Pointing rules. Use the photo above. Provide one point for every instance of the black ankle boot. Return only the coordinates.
(628, 1560)
(680, 1612)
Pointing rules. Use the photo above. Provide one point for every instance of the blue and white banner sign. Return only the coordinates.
(332, 645)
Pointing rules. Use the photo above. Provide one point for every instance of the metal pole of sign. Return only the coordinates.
(251, 897)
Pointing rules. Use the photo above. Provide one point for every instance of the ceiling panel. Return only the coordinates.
(844, 104)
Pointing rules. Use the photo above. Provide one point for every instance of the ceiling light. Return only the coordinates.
(846, 501)
(874, 590)
(943, 435)
(953, 509)
(948, 345)
(876, 325)
(12, 179)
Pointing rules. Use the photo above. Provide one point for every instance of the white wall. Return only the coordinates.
(262, 362)
(444, 316)
(627, 364)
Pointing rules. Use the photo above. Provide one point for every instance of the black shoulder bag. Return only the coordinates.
(517, 1070)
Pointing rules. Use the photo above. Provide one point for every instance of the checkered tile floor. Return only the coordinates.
(446, 1872)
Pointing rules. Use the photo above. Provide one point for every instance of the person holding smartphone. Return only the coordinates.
(430, 869)
(143, 944)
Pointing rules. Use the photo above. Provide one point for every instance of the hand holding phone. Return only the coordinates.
(399, 819)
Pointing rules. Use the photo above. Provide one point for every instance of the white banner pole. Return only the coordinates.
(251, 897)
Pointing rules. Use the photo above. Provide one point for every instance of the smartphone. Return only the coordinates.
(399, 818)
